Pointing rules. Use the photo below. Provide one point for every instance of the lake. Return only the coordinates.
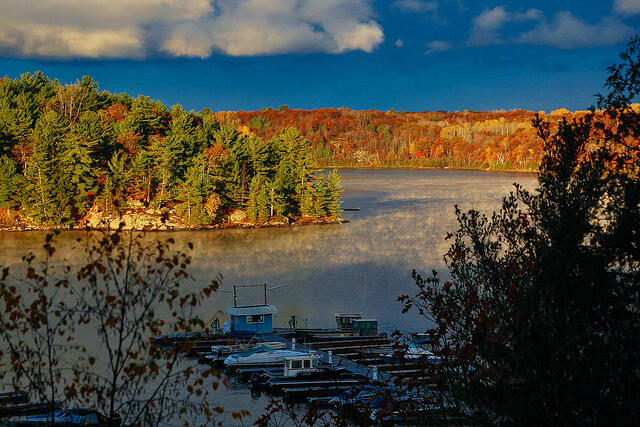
(361, 266)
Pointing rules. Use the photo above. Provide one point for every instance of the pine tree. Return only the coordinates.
(143, 168)
(146, 118)
(321, 198)
(76, 162)
(259, 154)
(259, 208)
(117, 182)
(10, 181)
(46, 189)
(194, 192)
(334, 191)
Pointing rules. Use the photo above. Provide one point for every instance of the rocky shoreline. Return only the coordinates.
(157, 220)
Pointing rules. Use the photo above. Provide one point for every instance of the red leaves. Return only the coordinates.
(117, 111)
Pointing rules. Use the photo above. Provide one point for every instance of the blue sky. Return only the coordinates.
(411, 55)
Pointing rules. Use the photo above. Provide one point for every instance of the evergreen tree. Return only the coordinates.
(10, 183)
(95, 128)
(194, 193)
(259, 207)
(117, 182)
(143, 170)
(146, 118)
(284, 192)
(76, 162)
(321, 197)
(334, 192)
(259, 154)
(207, 130)
(46, 189)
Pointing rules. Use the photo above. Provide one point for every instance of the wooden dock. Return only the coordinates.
(336, 360)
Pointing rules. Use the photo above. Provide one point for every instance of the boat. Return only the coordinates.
(219, 353)
(260, 356)
(301, 365)
(69, 417)
(415, 352)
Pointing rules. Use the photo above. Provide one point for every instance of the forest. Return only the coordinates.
(71, 155)
(468, 139)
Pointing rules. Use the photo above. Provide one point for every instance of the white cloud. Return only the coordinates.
(486, 26)
(491, 19)
(627, 7)
(415, 6)
(438, 46)
(194, 28)
(564, 31)
(568, 32)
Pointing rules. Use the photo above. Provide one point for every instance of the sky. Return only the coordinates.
(411, 55)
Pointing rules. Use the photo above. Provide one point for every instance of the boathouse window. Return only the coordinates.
(297, 364)
(256, 318)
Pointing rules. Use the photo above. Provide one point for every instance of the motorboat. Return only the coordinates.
(261, 356)
(415, 352)
(219, 353)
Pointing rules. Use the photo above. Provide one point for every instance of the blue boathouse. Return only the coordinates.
(256, 319)
(252, 320)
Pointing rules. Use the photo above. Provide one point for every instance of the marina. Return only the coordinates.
(315, 366)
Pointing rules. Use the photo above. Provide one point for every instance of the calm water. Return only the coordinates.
(358, 267)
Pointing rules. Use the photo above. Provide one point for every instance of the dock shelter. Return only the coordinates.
(252, 320)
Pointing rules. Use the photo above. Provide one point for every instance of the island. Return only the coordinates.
(74, 157)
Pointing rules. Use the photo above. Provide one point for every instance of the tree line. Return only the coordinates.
(68, 149)
(469, 139)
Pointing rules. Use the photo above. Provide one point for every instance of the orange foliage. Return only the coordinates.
(117, 111)
(130, 142)
(215, 153)
(468, 138)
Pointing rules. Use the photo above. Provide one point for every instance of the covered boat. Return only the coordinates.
(261, 356)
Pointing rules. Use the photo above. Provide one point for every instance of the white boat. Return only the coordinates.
(261, 356)
(219, 352)
(414, 352)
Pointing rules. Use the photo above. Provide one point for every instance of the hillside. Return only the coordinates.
(468, 139)
(74, 156)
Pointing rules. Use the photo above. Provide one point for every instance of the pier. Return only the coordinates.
(338, 360)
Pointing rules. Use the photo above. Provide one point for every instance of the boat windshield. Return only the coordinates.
(259, 349)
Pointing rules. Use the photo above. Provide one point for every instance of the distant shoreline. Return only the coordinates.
(405, 167)
(175, 223)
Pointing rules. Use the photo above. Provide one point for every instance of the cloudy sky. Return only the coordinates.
(409, 55)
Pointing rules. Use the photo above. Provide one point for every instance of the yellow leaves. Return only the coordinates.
(244, 131)
(212, 205)
(227, 117)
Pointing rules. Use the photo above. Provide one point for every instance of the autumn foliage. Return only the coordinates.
(474, 139)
